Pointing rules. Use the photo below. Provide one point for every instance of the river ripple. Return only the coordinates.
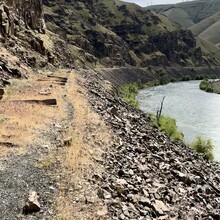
(197, 113)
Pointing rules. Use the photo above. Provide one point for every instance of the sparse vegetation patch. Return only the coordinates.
(204, 146)
(167, 125)
(129, 91)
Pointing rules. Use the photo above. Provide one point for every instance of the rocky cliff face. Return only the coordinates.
(20, 22)
(180, 47)
(114, 33)
(17, 14)
(24, 41)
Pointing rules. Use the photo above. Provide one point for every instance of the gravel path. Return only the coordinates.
(35, 169)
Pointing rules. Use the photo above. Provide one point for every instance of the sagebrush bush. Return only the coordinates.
(204, 84)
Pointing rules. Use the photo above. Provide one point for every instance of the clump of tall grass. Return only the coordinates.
(204, 146)
(167, 125)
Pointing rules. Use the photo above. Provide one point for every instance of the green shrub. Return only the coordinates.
(186, 78)
(140, 84)
(168, 126)
(173, 80)
(204, 84)
(128, 93)
(199, 77)
(203, 146)
(209, 89)
(131, 100)
(164, 80)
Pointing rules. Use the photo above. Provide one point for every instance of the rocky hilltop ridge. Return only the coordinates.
(196, 10)
(114, 33)
(201, 17)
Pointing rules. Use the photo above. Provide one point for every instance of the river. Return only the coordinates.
(197, 113)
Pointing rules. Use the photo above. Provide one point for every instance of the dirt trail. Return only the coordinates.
(30, 135)
(77, 198)
(42, 147)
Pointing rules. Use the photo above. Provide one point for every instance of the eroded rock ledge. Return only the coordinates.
(15, 14)
(148, 176)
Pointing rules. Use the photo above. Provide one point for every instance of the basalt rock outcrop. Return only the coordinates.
(113, 33)
(24, 41)
(15, 14)
(20, 47)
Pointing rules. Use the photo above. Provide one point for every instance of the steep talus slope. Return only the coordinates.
(147, 176)
(112, 33)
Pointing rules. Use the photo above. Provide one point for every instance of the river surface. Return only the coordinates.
(197, 113)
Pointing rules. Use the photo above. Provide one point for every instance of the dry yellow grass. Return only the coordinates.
(20, 121)
(90, 138)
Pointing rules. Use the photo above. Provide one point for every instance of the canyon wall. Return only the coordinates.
(18, 14)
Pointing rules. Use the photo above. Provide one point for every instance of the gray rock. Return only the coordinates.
(32, 204)
(160, 207)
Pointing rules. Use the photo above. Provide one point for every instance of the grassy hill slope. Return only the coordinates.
(114, 33)
(180, 16)
(208, 29)
(197, 10)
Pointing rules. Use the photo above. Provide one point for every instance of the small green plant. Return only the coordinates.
(204, 146)
(128, 93)
(168, 126)
(186, 78)
(204, 84)
(164, 80)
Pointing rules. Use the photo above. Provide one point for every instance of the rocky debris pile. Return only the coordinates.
(148, 176)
